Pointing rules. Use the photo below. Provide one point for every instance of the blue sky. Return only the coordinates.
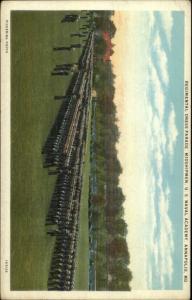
(148, 64)
(166, 67)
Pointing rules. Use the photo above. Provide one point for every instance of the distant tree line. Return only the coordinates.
(110, 229)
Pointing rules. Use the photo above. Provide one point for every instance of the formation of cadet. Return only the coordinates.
(71, 47)
(74, 17)
(84, 31)
(65, 69)
(70, 18)
(53, 148)
(63, 154)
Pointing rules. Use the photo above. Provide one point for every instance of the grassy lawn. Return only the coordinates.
(33, 110)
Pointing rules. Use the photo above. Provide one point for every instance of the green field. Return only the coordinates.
(33, 109)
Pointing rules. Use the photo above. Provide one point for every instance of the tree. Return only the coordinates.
(118, 227)
(118, 247)
(112, 253)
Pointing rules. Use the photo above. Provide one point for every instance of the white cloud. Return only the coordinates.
(152, 218)
(135, 158)
(167, 22)
(149, 112)
(150, 276)
(151, 20)
(172, 132)
(159, 134)
(166, 243)
(155, 251)
(162, 246)
(153, 245)
(158, 146)
(159, 159)
(162, 141)
(162, 59)
(159, 97)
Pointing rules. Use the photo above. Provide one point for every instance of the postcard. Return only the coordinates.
(95, 149)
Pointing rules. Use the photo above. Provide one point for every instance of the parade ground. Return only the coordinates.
(33, 110)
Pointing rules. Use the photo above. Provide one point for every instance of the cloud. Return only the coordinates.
(151, 206)
(159, 97)
(172, 131)
(153, 245)
(162, 59)
(158, 142)
(155, 251)
(150, 277)
(159, 135)
(162, 244)
(151, 19)
(166, 242)
(167, 23)
(162, 141)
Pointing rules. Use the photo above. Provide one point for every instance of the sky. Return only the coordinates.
(148, 64)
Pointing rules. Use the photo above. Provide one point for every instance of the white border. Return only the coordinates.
(7, 6)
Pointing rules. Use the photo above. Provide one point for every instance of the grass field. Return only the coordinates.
(33, 110)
